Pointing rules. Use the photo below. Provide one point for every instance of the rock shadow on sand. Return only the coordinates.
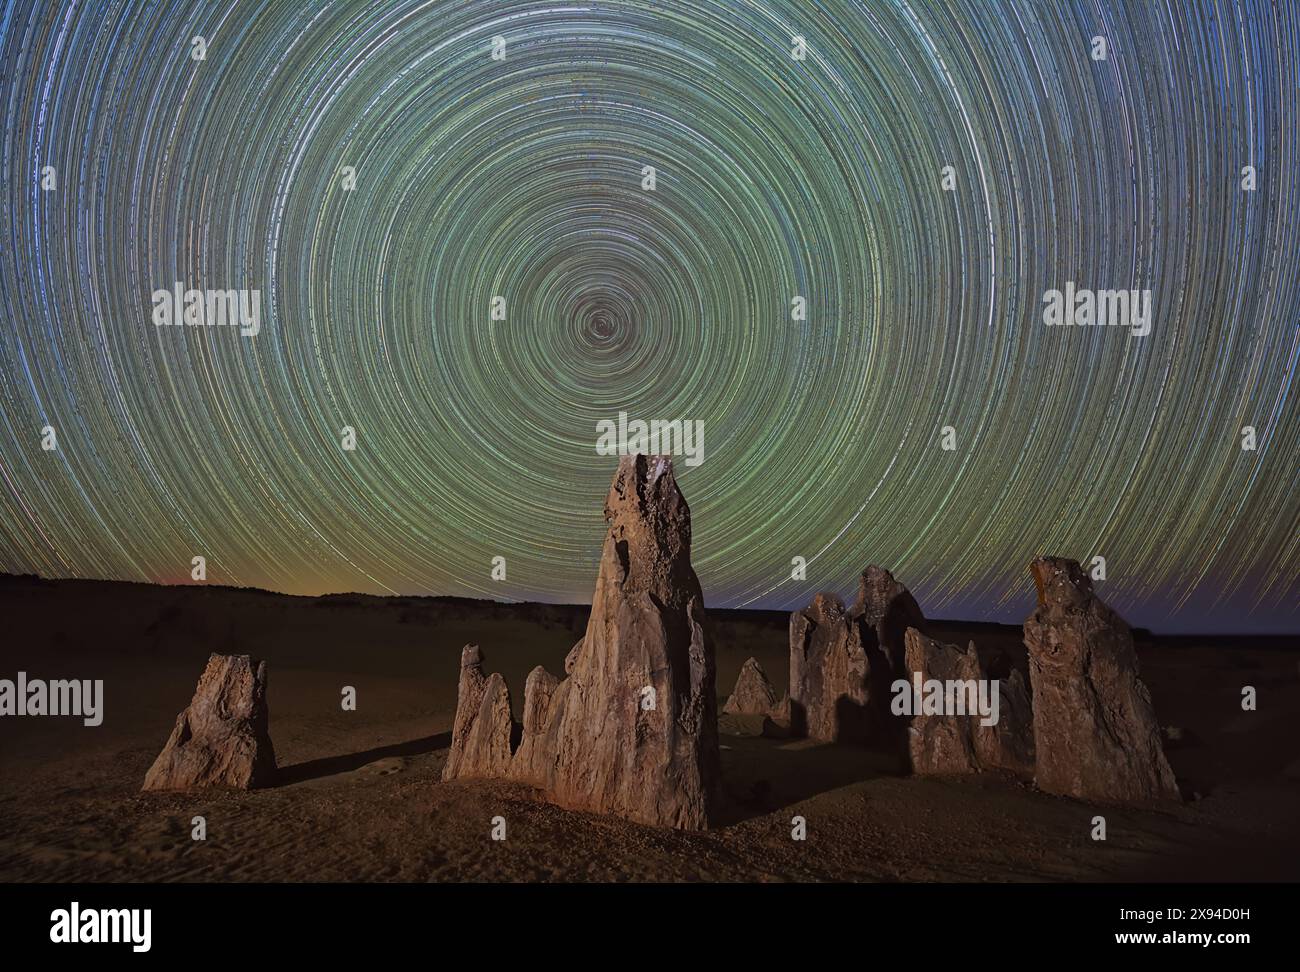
(316, 769)
(762, 775)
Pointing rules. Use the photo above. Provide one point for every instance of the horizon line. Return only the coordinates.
(6, 576)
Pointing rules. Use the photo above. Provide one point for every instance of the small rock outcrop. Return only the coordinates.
(1095, 731)
(632, 729)
(222, 738)
(753, 694)
(954, 740)
(843, 662)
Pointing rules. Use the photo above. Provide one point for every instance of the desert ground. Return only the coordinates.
(360, 796)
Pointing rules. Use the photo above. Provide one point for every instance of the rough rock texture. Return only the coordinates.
(888, 609)
(781, 711)
(482, 734)
(753, 694)
(958, 743)
(571, 658)
(469, 695)
(598, 740)
(841, 663)
(1095, 731)
(938, 744)
(221, 739)
(1009, 746)
(533, 758)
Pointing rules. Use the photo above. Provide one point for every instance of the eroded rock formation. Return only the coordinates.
(955, 741)
(1095, 731)
(482, 734)
(1009, 745)
(888, 609)
(221, 739)
(536, 752)
(632, 730)
(753, 694)
(832, 692)
(843, 662)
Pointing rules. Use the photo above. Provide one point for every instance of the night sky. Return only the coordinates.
(378, 176)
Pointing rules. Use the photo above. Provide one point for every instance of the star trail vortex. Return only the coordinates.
(920, 173)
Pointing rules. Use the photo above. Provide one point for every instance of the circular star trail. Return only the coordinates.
(641, 191)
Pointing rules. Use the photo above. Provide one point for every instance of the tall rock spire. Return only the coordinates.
(1095, 731)
(632, 730)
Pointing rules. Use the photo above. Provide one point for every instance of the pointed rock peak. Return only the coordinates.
(538, 689)
(877, 591)
(471, 657)
(648, 547)
(753, 694)
(644, 487)
(1060, 581)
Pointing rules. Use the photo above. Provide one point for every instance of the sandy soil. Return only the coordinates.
(361, 798)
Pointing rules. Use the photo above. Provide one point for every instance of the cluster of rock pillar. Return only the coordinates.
(632, 727)
(1083, 726)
